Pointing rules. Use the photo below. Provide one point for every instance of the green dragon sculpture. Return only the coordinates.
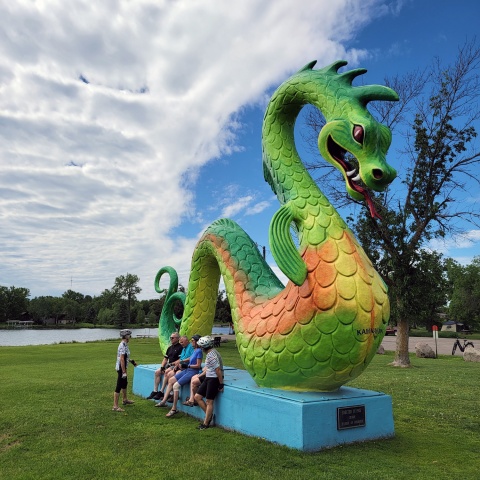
(322, 329)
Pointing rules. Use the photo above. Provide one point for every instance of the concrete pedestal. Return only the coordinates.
(307, 421)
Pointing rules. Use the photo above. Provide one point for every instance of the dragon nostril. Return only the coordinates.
(377, 174)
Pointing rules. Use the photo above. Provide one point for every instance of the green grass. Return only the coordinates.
(56, 423)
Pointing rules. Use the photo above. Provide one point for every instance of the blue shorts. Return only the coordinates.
(185, 376)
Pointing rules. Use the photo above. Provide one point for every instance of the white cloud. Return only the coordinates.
(240, 204)
(93, 174)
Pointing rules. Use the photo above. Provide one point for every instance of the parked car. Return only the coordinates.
(389, 330)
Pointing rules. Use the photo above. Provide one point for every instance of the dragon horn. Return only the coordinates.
(308, 66)
(349, 76)
(369, 93)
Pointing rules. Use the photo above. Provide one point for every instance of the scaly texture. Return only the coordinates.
(324, 327)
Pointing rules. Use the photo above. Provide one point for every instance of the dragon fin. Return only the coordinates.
(284, 250)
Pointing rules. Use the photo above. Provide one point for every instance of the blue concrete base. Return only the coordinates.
(307, 421)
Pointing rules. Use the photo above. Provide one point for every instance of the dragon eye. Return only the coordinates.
(358, 133)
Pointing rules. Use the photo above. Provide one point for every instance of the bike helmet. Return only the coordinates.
(205, 342)
(124, 333)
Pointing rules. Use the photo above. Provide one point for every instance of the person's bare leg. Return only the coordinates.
(158, 376)
(201, 403)
(208, 412)
(194, 384)
(167, 393)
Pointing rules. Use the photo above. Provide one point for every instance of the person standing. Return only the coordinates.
(123, 358)
(213, 383)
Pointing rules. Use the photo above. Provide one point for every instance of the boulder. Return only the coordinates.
(471, 354)
(424, 350)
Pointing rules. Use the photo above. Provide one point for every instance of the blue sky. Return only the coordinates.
(128, 127)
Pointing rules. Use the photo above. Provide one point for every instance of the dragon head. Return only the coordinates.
(351, 129)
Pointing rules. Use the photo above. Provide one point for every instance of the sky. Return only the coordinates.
(126, 128)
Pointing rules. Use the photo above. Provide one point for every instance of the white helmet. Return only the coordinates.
(205, 342)
(124, 333)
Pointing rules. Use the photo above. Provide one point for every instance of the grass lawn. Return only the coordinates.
(56, 423)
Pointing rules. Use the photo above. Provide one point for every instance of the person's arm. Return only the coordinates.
(219, 373)
(122, 365)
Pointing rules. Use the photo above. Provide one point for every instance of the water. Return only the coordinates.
(23, 337)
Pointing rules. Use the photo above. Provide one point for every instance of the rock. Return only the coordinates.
(471, 355)
(424, 350)
(381, 350)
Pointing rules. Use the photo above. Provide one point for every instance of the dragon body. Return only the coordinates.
(322, 329)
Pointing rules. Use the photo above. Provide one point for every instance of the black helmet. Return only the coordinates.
(196, 337)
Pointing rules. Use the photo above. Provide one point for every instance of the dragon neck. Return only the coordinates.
(283, 169)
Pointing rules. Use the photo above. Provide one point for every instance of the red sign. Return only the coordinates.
(435, 328)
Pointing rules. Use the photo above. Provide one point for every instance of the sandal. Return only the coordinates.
(171, 413)
(160, 404)
(128, 402)
(188, 403)
(117, 409)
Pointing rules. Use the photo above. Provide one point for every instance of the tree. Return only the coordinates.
(126, 286)
(223, 313)
(464, 304)
(45, 307)
(13, 302)
(438, 158)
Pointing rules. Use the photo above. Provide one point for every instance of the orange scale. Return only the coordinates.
(305, 290)
(325, 274)
(261, 329)
(291, 300)
(278, 308)
(311, 259)
(325, 297)
(272, 324)
(256, 311)
(328, 252)
(304, 311)
(286, 324)
(267, 310)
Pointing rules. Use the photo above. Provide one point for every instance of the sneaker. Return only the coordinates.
(202, 426)
(152, 395)
(170, 399)
(158, 396)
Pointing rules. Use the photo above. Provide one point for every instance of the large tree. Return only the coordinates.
(126, 286)
(464, 304)
(436, 117)
(13, 302)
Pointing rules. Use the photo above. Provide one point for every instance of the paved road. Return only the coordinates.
(444, 345)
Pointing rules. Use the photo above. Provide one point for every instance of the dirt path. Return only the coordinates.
(444, 345)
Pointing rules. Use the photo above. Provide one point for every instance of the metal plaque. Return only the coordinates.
(350, 417)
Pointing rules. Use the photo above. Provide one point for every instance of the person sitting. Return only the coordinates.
(213, 383)
(183, 377)
(180, 364)
(194, 384)
(171, 355)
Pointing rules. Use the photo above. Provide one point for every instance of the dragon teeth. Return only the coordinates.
(351, 172)
(357, 178)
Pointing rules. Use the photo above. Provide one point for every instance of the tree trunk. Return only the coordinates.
(402, 357)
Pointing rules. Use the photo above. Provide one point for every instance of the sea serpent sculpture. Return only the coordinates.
(323, 328)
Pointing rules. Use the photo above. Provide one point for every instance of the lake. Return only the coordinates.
(23, 337)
